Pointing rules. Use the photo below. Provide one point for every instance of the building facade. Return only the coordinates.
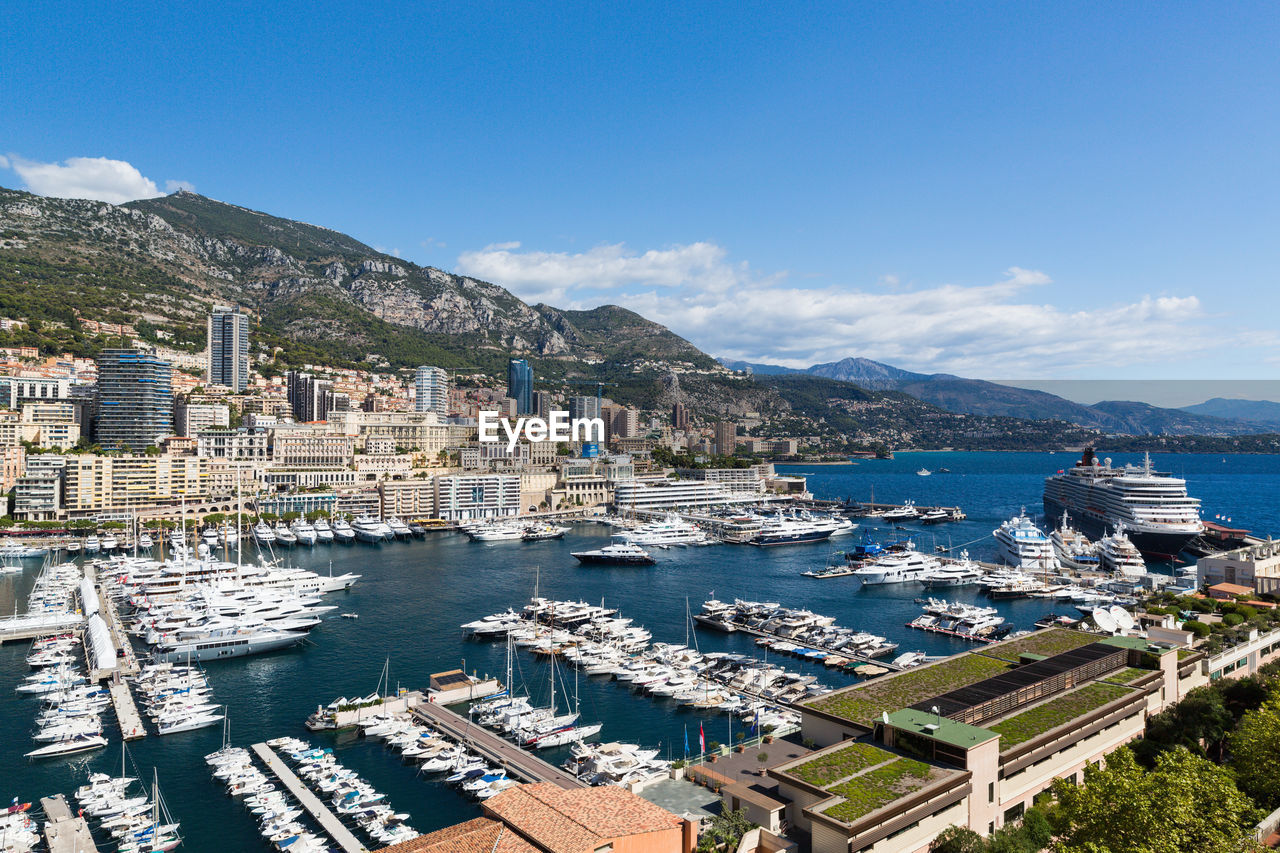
(468, 497)
(135, 399)
(520, 385)
(228, 348)
(431, 390)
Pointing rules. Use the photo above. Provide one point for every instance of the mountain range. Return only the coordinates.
(323, 297)
(980, 397)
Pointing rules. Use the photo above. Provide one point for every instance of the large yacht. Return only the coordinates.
(496, 531)
(1120, 556)
(370, 529)
(901, 567)
(620, 552)
(672, 530)
(1158, 516)
(781, 530)
(1025, 546)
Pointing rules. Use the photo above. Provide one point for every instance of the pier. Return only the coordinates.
(327, 820)
(127, 715)
(31, 625)
(517, 762)
(65, 832)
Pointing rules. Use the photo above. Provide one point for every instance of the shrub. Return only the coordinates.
(1199, 629)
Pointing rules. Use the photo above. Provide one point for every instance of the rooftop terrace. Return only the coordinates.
(1049, 642)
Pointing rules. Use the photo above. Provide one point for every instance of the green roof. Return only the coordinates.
(864, 703)
(945, 731)
(879, 787)
(1128, 675)
(1047, 642)
(829, 767)
(1059, 711)
(1128, 643)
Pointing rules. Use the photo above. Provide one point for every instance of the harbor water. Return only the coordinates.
(414, 595)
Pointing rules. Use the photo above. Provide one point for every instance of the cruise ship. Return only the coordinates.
(1157, 514)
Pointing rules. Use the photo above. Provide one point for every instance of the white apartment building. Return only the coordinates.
(466, 497)
(233, 444)
(190, 419)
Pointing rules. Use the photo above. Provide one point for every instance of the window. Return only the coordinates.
(991, 792)
(1012, 814)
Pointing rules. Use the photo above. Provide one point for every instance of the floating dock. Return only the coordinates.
(327, 820)
(31, 625)
(518, 763)
(65, 832)
(127, 715)
(755, 632)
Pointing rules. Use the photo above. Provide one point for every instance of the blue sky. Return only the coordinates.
(1001, 190)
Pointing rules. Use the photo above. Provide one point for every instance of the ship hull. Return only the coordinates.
(1160, 546)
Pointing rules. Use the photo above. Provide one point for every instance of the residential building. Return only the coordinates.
(726, 437)
(542, 404)
(520, 385)
(294, 447)
(228, 348)
(234, 444)
(431, 391)
(192, 419)
(408, 498)
(680, 417)
(37, 495)
(16, 390)
(409, 431)
(584, 407)
(1254, 566)
(309, 397)
(96, 484)
(13, 464)
(135, 399)
(465, 497)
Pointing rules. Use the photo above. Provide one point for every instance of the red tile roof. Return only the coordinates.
(578, 820)
(481, 835)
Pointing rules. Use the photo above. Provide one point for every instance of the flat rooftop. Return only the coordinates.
(1054, 713)
(862, 777)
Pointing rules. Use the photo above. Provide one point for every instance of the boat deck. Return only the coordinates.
(518, 763)
(327, 820)
(65, 832)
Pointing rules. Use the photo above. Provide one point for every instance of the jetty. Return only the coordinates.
(65, 831)
(126, 709)
(28, 626)
(322, 814)
(518, 763)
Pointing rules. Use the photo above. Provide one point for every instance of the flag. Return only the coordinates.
(686, 739)
(755, 723)
(702, 739)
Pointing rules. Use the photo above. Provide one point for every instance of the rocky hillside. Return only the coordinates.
(318, 294)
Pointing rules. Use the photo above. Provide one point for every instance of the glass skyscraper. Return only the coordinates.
(135, 399)
(228, 340)
(520, 385)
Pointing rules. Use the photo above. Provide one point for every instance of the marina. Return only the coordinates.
(328, 821)
(270, 694)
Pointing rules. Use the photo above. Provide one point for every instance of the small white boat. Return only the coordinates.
(81, 743)
(350, 615)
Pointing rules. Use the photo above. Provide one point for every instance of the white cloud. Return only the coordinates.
(173, 186)
(99, 178)
(727, 309)
(4, 162)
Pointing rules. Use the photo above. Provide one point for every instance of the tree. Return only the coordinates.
(1254, 747)
(1184, 803)
(957, 839)
(1200, 722)
(726, 828)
